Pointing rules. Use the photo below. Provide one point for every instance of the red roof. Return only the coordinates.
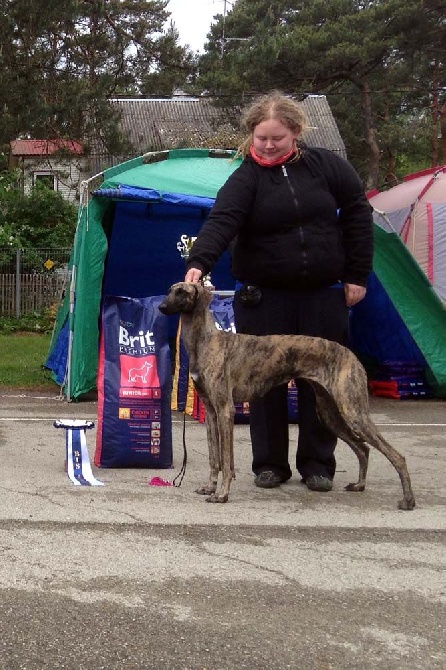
(44, 147)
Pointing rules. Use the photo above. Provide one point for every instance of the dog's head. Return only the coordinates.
(182, 298)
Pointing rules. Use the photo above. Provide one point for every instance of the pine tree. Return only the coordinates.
(60, 62)
(371, 59)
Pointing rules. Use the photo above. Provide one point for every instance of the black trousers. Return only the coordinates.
(321, 313)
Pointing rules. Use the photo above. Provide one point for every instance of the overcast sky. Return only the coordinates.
(193, 19)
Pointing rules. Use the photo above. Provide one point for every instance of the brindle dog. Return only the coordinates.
(228, 368)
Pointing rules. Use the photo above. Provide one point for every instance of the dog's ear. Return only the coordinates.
(182, 288)
(178, 289)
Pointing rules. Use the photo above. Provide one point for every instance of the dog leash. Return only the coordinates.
(159, 481)
(182, 471)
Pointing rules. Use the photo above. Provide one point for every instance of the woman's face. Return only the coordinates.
(271, 139)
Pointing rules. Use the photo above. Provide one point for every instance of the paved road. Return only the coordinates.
(129, 576)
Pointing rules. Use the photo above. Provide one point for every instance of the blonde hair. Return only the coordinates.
(273, 105)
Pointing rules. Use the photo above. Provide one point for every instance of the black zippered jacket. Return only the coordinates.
(306, 224)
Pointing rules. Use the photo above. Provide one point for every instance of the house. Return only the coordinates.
(58, 163)
(157, 124)
(154, 124)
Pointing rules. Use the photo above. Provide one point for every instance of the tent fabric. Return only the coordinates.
(125, 192)
(58, 354)
(417, 303)
(416, 211)
(196, 172)
(144, 260)
(401, 317)
(81, 309)
(126, 245)
(377, 331)
(409, 320)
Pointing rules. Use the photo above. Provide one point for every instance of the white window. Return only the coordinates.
(45, 177)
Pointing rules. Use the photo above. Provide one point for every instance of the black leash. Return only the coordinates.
(182, 472)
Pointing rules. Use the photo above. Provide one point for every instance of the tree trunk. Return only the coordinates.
(435, 109)
(391, 179)
(443, 132)
(369, 134)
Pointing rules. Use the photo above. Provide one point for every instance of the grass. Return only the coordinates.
(21, 361)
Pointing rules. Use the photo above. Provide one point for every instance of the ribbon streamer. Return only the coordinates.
(78, 461)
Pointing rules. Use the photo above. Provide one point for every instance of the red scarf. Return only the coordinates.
(277, 161)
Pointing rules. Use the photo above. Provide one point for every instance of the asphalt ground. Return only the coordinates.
(131, 576)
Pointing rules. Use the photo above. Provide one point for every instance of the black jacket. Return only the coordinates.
(303, 225)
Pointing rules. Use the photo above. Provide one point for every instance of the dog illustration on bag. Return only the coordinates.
(140, 373)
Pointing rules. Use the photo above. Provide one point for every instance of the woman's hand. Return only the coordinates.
(193, 275)
(353, 294)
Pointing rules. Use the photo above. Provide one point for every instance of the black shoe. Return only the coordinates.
(268, 480)
(319, 483)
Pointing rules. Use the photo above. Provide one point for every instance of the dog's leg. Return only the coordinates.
(328, 409)
(346, 413)
(363, 432)
(371, 434)
(225, 420)
(345, 432)
(362, 452)
(213, 441)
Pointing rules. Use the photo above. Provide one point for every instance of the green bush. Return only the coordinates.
(41, 219)
(37, 322)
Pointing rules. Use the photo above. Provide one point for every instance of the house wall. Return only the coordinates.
(68, 173)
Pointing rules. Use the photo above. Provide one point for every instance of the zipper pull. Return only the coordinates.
(285, 173)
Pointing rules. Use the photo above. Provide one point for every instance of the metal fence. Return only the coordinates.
(32, 279)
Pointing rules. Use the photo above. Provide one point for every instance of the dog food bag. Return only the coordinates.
(134, 427)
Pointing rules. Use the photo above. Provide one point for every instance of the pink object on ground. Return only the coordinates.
(157, 481)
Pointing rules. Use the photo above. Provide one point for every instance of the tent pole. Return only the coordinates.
(83, 202)
(71, 327)
(384, 216)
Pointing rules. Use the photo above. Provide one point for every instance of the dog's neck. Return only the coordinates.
(197, 326)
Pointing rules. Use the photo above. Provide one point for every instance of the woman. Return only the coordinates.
(300, 229)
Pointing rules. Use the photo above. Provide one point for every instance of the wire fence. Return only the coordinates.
(32, 280)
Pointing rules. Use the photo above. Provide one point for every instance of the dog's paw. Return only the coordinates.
(406, 504)
(206, 490)
(218, 498)
(356, 487)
